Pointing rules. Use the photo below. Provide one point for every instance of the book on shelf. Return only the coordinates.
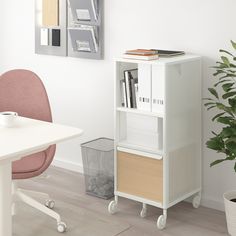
(150, 54)
(133, 94)
(141, 57)
(168, 53)
(141, 52)
(129, 89)
(123, 94)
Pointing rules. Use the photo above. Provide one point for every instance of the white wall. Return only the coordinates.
(81, 91)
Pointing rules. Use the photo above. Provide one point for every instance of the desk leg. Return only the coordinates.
(5, 199)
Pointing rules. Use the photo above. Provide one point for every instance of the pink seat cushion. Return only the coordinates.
(29, 163)
(22, 91)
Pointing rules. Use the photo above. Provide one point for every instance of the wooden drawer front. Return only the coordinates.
(140, 176)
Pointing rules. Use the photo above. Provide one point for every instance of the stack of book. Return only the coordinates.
(141, 54)
(150, 54)
(129, 89)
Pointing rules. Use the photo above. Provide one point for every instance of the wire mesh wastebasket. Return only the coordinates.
(98, 164)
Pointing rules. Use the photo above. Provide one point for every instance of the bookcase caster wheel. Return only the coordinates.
(196, 201)
(50, 204)
(112, 207)
(143, 213)
(61, 227)
(161, 222)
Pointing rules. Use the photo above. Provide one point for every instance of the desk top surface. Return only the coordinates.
(29, 136)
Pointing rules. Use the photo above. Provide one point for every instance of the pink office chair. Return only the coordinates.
(22, 91)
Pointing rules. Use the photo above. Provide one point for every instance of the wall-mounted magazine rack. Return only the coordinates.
(85, 29)
(69, 28)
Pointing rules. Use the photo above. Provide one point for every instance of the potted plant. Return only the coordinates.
(223, 100)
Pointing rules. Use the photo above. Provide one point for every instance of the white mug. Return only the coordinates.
(7, 118)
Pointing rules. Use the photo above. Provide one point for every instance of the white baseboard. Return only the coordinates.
(68, 165)
(214, 204)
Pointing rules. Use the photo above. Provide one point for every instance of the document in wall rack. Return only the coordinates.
(83, 14)
(84, 10)
(83, 38)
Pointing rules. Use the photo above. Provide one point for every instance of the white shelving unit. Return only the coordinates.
(158, 145)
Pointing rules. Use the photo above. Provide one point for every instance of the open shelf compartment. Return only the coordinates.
(140, 87)
(140, 131)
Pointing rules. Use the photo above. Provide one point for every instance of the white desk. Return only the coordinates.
(28, 136)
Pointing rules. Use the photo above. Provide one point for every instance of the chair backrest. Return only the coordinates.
(22, 91)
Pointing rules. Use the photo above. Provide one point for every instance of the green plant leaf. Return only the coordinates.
(227, 95)
(209, 103)
(225, 60)
(214, 133)
(215, 143)
(227, 86)
(222, 81)
(232, 102)
(224, 120)
(217, 162)
(218, 115)
(230, 75)
(232, 147)
(218, 72)
(224, 51)
(225, 76)
(233, 139)
(213, 92)
(230, 157)
(221, 66)
(227, 132)
(221, 106)
(233, 44)
(209, 108)
(208, 99)
(230, 71)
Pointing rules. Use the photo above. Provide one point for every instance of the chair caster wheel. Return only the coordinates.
(143, 213)
(196, 201)
(112, 207)
(161, 222)
(50, 204)
(61, 227)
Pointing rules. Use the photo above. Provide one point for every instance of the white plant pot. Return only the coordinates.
(230, 211)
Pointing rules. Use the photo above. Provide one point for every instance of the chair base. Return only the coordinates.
(27, 196)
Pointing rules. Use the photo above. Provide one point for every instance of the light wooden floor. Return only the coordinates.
(88, 216)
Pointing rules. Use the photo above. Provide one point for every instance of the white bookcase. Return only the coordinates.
(158, 144)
